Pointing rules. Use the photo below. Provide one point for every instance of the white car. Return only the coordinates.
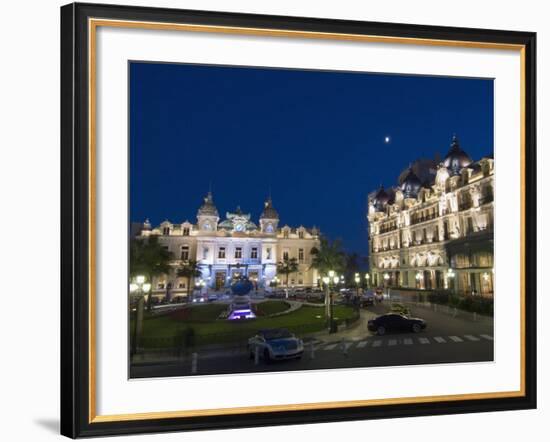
(275, 344)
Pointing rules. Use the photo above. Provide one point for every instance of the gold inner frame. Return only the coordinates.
(93, 24)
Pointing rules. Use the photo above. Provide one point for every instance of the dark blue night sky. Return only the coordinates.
(315, 138)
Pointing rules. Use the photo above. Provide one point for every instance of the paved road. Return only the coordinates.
(447, 339)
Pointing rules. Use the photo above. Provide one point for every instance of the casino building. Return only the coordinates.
(434, 230)
(234, 247)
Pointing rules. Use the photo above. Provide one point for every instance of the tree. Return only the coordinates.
(352, 266)
(190, 269)
(329, 256)
(287, 266)
(150, 259)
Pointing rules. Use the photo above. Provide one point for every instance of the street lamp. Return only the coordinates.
(138, 288)
(367, 277)
(418, 278)
(450, 276)
(357, 281)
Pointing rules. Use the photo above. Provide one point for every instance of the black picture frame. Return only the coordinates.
(75, 221)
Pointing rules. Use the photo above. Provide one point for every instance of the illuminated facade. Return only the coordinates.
(234, 247)
(435, 229)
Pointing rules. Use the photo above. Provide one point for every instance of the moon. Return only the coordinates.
(387, 139)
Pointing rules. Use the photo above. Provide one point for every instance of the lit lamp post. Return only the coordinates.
(357, 281)
(450, 279)
(326, 281)
(336, 279)
(138, 288)
(202, 284)
(367, 277)
(418, 279)
(386, 278)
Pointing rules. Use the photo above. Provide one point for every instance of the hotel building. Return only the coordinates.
(434, 230)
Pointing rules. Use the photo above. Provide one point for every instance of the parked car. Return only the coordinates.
(275, 344)
(379, 294)
(395, 322)
(367, 300)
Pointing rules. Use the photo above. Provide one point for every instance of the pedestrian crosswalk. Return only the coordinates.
(397, 341)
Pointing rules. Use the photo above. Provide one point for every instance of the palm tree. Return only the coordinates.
(352, 266)
(150, 259)
(190, 269)
(329, 256)
(287, 266)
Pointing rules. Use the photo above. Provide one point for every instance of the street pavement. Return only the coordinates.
(450, 337)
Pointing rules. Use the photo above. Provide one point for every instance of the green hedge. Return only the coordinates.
(480, 305)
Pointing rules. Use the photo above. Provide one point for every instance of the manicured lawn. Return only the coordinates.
(165, 331)
(267, 308)
(199, 312)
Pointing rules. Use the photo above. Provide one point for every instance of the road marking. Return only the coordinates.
(362, 344)
(346, 346)
(407, 341)
(424, 340)
(488, 337)
(439, 339)
(331, 347)
(456, 339)
(377, 343)
(471, 338)
(392, 342)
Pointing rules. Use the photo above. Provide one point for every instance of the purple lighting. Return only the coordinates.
(241, 314)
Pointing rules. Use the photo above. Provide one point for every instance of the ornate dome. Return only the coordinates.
(269, 212)
(411, 185)
(208, 208)
(380, 199)
(456, 158)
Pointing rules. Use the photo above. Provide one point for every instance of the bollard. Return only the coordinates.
(194, 358)
(435, 307)
(455, 312)
(344, 347)
(475, 316)
(256, 355)
(312, 350)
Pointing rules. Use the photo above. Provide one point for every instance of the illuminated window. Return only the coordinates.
(184, 253)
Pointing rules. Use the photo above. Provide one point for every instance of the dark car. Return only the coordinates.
(367, 301)
(396, 322)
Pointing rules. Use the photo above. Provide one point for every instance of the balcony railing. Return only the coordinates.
(486, 199)
(387, 229)
(421, 219)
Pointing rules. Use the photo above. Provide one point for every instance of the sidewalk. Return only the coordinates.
(447, 310)
(357, 331)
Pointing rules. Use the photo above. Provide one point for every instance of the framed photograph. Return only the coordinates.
(274, 220)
